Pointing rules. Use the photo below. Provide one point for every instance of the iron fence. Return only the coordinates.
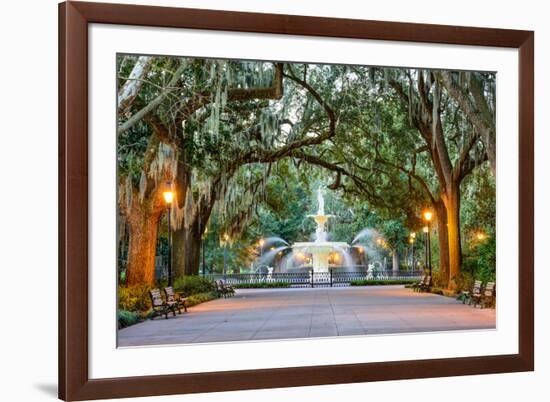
(331, 278)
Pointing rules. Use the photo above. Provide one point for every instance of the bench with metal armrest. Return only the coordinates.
(485, 298)
(160, 307)
(172, 298)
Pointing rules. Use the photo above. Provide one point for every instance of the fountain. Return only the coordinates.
(319, 255)
(321, 249)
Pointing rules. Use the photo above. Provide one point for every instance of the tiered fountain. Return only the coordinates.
(321, 250)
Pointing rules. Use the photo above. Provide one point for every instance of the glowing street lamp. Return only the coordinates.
(168, 199)
(481, 236)
(428, 215)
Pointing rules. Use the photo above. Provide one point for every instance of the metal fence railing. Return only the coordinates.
(317, 279)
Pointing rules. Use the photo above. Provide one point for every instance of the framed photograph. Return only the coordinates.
(260, 200)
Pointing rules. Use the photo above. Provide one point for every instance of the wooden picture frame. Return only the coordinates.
(74, 381)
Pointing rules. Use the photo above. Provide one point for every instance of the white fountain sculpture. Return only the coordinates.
(320, 249)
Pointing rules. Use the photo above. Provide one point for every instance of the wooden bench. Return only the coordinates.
(224, 289)
(416, 285)
(158, 305)
(486, 297)
(424, 286)
(466, 295)
(173, 299)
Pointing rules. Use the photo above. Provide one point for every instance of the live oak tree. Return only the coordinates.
(474, 92)
(180, 141)
(383, 157)
(454, 147)
(216, 131)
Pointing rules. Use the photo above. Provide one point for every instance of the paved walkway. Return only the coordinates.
(297, 313)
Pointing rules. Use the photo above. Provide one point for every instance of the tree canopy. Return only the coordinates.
(245, 144)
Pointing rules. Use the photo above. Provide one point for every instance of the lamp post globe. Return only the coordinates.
(428, 215)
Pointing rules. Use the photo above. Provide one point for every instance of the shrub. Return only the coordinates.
(127, 318)
(374, 282)
(193, 284)
(198, 298)
(261, 285)
(464, 281)
(134, 298)
(479, 260)
(437, 291)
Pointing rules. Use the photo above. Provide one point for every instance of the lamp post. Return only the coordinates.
(261, 244)
(204, 251)
(412, 238)
(168, 198)
(428, 215)
(425, 230)
(225, 241)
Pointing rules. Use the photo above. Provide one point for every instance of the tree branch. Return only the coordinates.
(131, 87)
(154, 103)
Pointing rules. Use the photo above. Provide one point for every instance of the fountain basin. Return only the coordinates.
(320, 252)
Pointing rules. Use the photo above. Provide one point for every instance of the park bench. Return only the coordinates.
(424, 285)
(485, 298)
(416, 285)
(224, 289)
(159, 306)
(466, 295)
(176, 300)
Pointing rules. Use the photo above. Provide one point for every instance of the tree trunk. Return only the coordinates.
(143, 226)
(178, 252)
(192, 250)
(186, 250)
(182, 185)
(395, 261)
(443, 241)
(452, 204)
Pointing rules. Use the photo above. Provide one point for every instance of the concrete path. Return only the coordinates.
(297, 313)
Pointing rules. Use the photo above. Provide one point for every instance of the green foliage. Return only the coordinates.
(374, 282)
(478, 215)
(198, 298)
(375, 143)
(127, 318)
(193, 284)
(134, 298)
(480, 260)
(262, 285)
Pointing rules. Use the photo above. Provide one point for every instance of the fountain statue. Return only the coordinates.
(321, 249)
